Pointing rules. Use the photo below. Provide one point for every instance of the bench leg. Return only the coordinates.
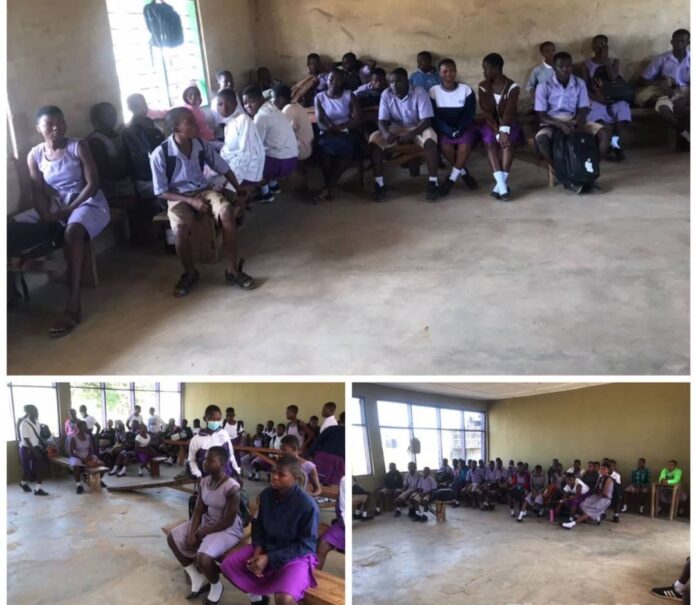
(94, 482)
(154, 469)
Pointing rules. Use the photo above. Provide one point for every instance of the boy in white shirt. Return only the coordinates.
(90, 421)
(31, 452)
(134, 416)
(155, 424)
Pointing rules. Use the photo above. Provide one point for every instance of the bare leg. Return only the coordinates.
(508, 156)
(604, 139)
(448, 152)
(543, 144)
(494, 157)
(340, 164)
(432, 157)
(75, 238)
(229, 238)
(323, 550)
(462, 156)
(377, 157)
(184, 560)
(282, 598)
(184, 247)
(669, 116)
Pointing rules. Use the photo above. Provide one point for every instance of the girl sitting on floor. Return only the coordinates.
(282, 553)
(595, 505)
(334, 538)
(82, 454)
(214, 528)
(290, 445)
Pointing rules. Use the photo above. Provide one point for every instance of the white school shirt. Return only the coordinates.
(134, 416)
(571, 490)
(342, 498)
(411, 481)
(276, 132)
(616, 477)
(90, 421)
(155, 424)
(205, 442)
(196, 430)
(275, 442)
(427, 484)
(26, 432)
(214, 119)
(572, 470)
(232, 430)
(302, 125)
(243, 149)
(142, 441)
(330, 421)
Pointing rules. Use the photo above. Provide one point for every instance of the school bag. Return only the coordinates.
(170, 160)
(575, 158)
(140, 141)
(164, 25)
(615, 90)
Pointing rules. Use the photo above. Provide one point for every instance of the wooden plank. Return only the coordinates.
(121, 486)
(330, 590)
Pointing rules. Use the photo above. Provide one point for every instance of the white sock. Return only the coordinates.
(463, 171)
(505, 176)
(679, 587)
(197, 578)
(432, 179)
(520, 515)
(615, 142)
(454, 175)
(265, 189)
(215, 591)
(685, 134)
(379, 180)
(255, 598)
(500, 186)
(35, 486)
(78, 483)
(378, 509)
(364, 513)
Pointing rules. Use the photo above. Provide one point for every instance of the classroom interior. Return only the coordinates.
(112, 541)
(548, 282)
(487, 557)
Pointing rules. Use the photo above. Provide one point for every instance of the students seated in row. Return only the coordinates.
(334, 538)
(640, 484)
(280, 144)
(562, 103)
(193, 101)
(66, 194)
(124, 451)
(110, 154)
(543, 71)
(405, 115)
(595, 505)
(338, 118)
(315, 81)
(350, 68)
(425, 76)
(575, 490)
(225, 81)
(282, 553)
(501, 131)
(667, 80)
(576, 469)
(215, 527)
(177, 169)
(290, 446)
(599, 71)
(454, 108)
(538, 483)
(368, 94)
(393, 485)
(445, 474)
(205, 439)
(410, 485)
(265, 81)
(520, 485)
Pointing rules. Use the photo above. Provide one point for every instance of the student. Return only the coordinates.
(277, 437)
(282, 553)
(562, 103)
(426, 488)
(82, 453)
(334, 538)
(616, 115)
(70, 425)
(205, 439)
(667, 80)
(680, 590)
(107, 436)
(296, 427)
(591, 475)
(134, 416)
(290, 445)
(445, 473)
(519, 488)
(328, 413)
(575, 491)
(670, 475)
(299, 120)
(225, 81)
(110, 153)
(192, 101)
(368, 94)
(127, 450)
(280, 144)
(640, 484)
(618, 492)
(393, 485)
(265, 81)
(155, 424)
(143, 450)
(405, 114)
(454, 106)
(426, 76)
(576, 469)
(91, 423)
(545, 70)
(32, 453)
(315, 81)
(188, 196)
(185, 433)
(74, 200)
(338, 117)
(213, 530)
(256, 440)
(501, 131)
(109, 453)
(243, 148)
(231, 425)
(350, 70)
(269, 432)
(410, 485)
(537, 485)
(329, 452)
(594, 506)
(196, 426)
(476, 475)
(556, 482)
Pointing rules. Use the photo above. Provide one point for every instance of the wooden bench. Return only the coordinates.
(205, 238)
(183, 447)
(154, 466)
(91, 475)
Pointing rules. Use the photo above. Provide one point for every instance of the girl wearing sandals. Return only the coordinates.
(213, 530)
(65, 189)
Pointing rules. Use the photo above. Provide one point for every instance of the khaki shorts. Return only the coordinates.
(427, 135)
(653, 94)
(180, 213)
(547, 131)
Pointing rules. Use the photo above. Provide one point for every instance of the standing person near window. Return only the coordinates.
(32, 453)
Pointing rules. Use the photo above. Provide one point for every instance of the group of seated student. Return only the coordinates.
(216, 158)
(585, 494)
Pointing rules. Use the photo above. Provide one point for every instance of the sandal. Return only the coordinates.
(185, 283)
(241, 279)
(66, 324)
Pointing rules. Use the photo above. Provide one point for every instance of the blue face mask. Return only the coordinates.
(214, 425)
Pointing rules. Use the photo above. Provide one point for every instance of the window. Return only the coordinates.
(44, 395)
(442, 433)
(160, 74)
(362, 461)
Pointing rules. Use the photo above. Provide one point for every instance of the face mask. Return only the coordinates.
(214, 425)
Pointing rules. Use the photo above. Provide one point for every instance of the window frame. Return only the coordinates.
(365, 434)
(12, 385)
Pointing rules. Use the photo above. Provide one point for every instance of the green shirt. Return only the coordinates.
(673, 477)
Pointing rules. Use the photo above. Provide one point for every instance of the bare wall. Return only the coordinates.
(620, 421)
(393, 31)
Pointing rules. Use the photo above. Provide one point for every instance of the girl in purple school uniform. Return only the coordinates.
(65, 188)
(143, 451)
(82, 454)
(334, 538)
(290, 446)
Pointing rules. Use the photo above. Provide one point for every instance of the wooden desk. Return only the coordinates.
(183, 446)
(655, 493)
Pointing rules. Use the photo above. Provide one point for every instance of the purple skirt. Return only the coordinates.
(516, 135)
(336, 536)
(143, 456)
(468, 137)
(330, 468)
(293, 578)
(274, 168)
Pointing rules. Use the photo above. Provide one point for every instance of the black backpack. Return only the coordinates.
(170, 161)
(575, 158)
(140, 141)
(615, 90)
(164, 25)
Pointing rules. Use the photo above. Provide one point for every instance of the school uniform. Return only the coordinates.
(201, 443)
(539, 75)
(302, 126)
(279, 142)
(83, 448)
(425, 80)
(155, 424)
(404, 115)
(243, 149)
(537, 485)
(143, 451)
(248, 458)
(133, 417)
(307, 468)
(499, 112)
(338, 111)
(329, 450)
(666, 65)
(453, 114)
(579, 473)
(609, 113)
(393, 486)
(330, 421)
(232, 430)
(216, 121)
(294, 429)
(286, 530)
(188, 179)
(571, 490)
(519, 485)
(594, 506)
(336, 534)
(119, 163)
(410, 484)
(426, 488)
(30, 458)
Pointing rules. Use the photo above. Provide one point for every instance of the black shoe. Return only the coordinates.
(423, 518)
(455, 505)
(380, 192)
(412, 513)
(103, 484)
(495, 195)
(616, 518)
(378, 513)
(40, 492)
(25, 487)
(505, 197)
(185, 283)
(446, 187)
(415, 518)
(470, 181)
(266, 600)
(241, 279)
(432, 192)
(618, 154)
(397, 513)
(667, 592)
(357, 515)
(198, 593)
(79, 489)
(576, 189)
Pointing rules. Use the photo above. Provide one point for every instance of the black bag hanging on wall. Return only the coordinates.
(164, 25)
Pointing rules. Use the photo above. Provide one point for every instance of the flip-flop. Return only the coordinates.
(66, 324)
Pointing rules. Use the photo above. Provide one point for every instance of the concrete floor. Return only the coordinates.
(103, 548)
(550, 284)
(477, 557)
